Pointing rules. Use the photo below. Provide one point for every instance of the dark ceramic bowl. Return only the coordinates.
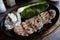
(39, 32)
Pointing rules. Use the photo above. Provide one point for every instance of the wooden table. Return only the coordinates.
(3, 37)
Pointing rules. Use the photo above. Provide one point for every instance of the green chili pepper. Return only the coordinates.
(33, 9)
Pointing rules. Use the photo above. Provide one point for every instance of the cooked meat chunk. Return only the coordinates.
(30, 23)
(20, 31)
(28, 29)
(52, 13)
(45, 17)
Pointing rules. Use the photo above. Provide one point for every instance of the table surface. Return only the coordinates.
(53, 36)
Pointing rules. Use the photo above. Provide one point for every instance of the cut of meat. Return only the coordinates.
(52, 13)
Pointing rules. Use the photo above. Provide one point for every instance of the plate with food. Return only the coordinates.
(29, 20)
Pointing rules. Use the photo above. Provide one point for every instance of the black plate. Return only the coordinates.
(39, 32)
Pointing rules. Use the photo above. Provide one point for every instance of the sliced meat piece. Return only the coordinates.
(46, 20)
(24, 25)
(28, 29)
(52, 13)
(34, 27)
(45, 17)
(36, 23)
(39, 24)
(45, 14)
(31, 24)
(19, 30)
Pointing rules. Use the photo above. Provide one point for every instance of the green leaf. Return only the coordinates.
(34, 9)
